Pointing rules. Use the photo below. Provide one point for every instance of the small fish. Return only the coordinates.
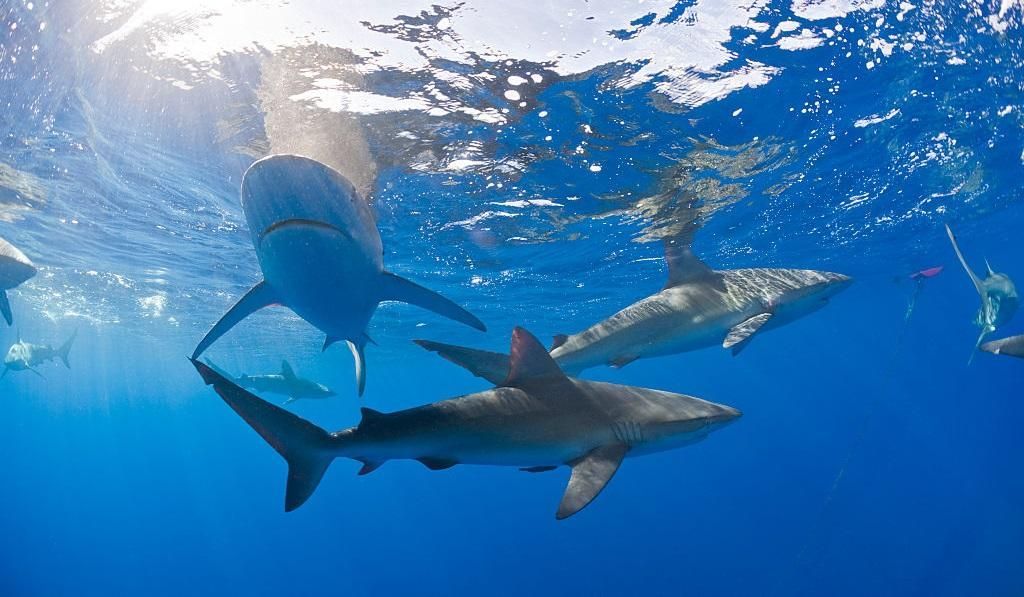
(285, 383)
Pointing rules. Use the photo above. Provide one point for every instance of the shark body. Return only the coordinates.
(537, 419)
(23, 356)
(321, 255)
(286, 383)
(699, 307)
(15, 269)
(999, 300)
(1013, 346)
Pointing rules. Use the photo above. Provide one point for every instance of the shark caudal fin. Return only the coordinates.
(492, 366)
(306, 447)
(956, 247)
(397, 288)
(5, 307)
(259, 296)
(65, 348)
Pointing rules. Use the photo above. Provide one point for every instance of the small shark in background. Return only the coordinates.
(321, 256)
(286, 383)
(537, 419)
(1013, 346)
(999, 299)
(23, 356)
(15, 268)
(697, 308)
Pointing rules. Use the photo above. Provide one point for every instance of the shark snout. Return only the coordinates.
(725, 414)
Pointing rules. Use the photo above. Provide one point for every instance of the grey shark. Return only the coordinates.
(23, 356)
(998, 294)
(15, 269)
(285, 383)
(697, 308)
(537, 419)
(1013, 346)
(321, 256)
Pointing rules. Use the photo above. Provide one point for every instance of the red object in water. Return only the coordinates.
(931, 272)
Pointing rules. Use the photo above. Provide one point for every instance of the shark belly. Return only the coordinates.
(326, 277)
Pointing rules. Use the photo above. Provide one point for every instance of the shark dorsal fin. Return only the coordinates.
(684, 266)
(286, 370)
(528, 360)
(988, 266)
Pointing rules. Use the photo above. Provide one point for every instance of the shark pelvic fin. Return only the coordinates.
(684, 266)
(286, 371)
(259, 296)
(741, 334)
(492, 366)
(356, 348)
(437, 464)
(328, 341)
(528, 360)
(397, 288)
(5, 307)
(590, 474)
(956, 247)
(306, 447)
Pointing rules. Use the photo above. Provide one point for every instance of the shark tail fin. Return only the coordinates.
(306, 447)
(5, 307)
(65, 349)
(956, 247)
(397, 288)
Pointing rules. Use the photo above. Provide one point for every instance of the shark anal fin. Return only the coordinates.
(684, 266)
(558, 340)
(622, 361)
(492, 366)
(397, 288)
(739, 336)
(259, 296)
(5, 307)
(303, 445)
(528, 360)
(356, 348)
(590, 474)
(538, 469)
(368, 467)
(437, 464)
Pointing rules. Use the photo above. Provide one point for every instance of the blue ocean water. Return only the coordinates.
(522, 160)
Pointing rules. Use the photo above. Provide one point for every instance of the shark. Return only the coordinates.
(15, 269)
(697, 308)
(285, 383)
(536, 419)
(23, 356)
(321, 256)
(1013, 346)
(999, 300)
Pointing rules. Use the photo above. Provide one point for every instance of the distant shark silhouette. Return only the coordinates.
(23, 356)
(536, 419)
(1013, 346)
(321, 256)
(698, 307)
(998, 296)
(15, 269)
(285, 384)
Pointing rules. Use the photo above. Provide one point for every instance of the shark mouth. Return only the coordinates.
(299, 222)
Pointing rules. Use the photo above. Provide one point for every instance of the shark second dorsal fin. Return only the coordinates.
(684, 266)
(528, 360)
(590, 474)
(286, 371)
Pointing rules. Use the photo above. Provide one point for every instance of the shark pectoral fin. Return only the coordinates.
(368, 467)
(397, 288)
(621, 361)
(739, 336)
(437, 464)
(528, 360)
(360, 361)
(306, 447)
(537, 469)
(956, 247)
(5, 307)
(589, 476)
(286, 371)
(492, 366)
(684, 266)
(261, 295)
